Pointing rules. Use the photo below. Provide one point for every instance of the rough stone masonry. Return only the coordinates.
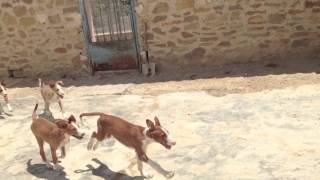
(40, 36)
(187, 33)
(43, 36)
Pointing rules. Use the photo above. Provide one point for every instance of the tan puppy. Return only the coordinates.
(57, 135)
(3, 92)
(133, 136)
(52, 93)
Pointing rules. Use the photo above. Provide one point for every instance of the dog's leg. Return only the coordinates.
(42, 153)
(96, 145)
(92, 141)
(6, 99)
(96, 138)
(1, 109)
(61, 108)
(142, 157)
(100, 137)
(56, 166)
(63, 152)
(159, 169)
(46, 107)
(143, 173)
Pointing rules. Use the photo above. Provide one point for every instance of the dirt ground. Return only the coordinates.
(217, 81)
(239, 121)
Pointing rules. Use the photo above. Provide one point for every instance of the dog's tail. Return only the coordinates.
(90, 114)
(34, 114)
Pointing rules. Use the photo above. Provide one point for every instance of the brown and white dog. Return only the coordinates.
(3, 92)
(57, 135)
(132, 136)
(52, 93)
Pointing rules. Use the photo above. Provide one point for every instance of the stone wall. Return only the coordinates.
(44, 36)
(187, 33)
(40, 36)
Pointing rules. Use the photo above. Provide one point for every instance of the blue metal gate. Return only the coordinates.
(110, 34)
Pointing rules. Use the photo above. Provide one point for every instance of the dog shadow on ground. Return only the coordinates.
(2, 116)
(43, 172)
(103, 171)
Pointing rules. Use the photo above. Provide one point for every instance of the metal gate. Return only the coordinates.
(110, 34)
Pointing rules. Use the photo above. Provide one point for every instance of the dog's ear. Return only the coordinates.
(60, 83)
(62, 124)
(72, 119)
(150, 124)
(156, 120)
(52, 84)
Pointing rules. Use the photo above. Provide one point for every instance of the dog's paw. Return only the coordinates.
(96, 145)
(49, 165)
(170, 174)
(57, 167)
(9, 107)
(147, 175)
(90, 144)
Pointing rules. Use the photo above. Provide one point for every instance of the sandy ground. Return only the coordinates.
(228, 124)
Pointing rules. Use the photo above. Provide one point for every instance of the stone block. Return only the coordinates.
(301, 43)
(187, 35)
(54, 19)
(6, 5)
(184, 4)
(8, 19)
(257, 19)
(60, 3)
(161, 7)
(190, 19)
(27, 22)
(61, 50)
(69, 10)
(159, 18)
(276, 18)
(174, 29)
(158, 31)
(27, 1)
(20, 11)
(196, 54)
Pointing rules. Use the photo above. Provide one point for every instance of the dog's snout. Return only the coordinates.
(174, 143)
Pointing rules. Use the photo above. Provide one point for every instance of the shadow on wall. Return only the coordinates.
(103, 171)
(41, 171)
(259, 68)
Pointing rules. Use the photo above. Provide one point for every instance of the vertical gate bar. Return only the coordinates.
(104, 39)
(110, 21)
(115, 19)
(119, 12)
(95, 20)
(124, 26)
(105, 22)
(134, 33)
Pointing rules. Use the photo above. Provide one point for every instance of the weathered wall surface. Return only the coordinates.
(40, 36)
(186, 33)
(44, 36)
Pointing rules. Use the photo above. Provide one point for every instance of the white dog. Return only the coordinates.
(3, 92)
